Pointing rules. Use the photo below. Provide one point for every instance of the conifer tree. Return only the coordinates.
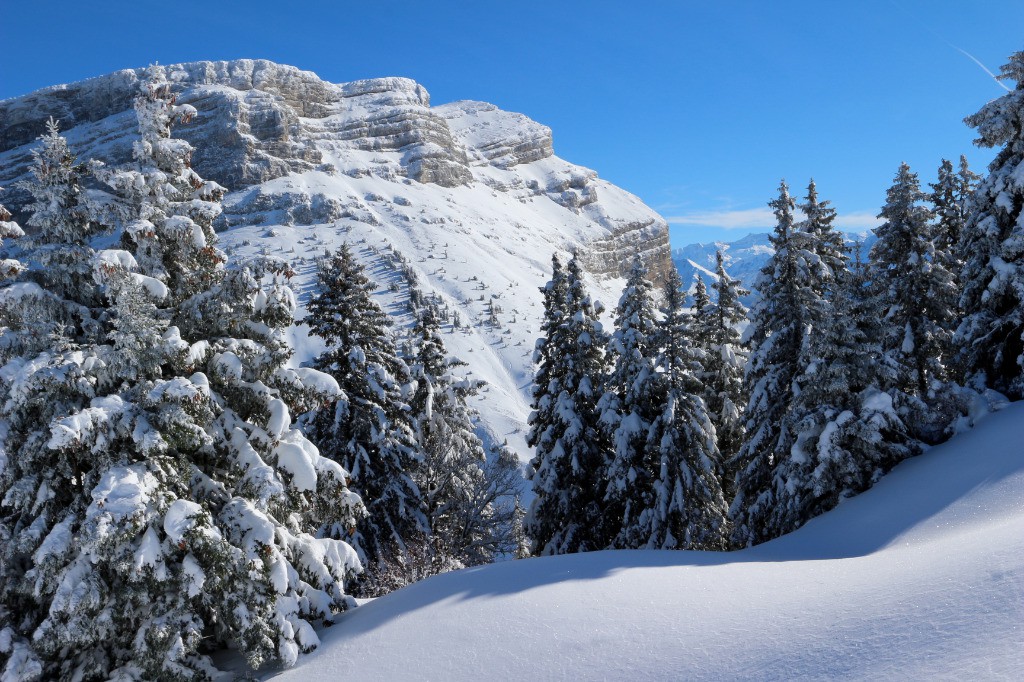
(686, 508)
(9, 229)
(825, 242)
(156, 493)
(990, 337)
(917, 291)
(701, 299)
(571, 454)
(949, 198)
(778, 332)
(466, 499)
(547, 377)
(368, 429)
(63, 307)
(628, 408)
(844, 431)
(724, 361)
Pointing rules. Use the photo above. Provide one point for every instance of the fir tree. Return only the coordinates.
(916, 290)
(368, 429)
(990, 337)
(469, 503)
(629, 407)
(724, 360)
(778, 333)
(570, 459)
(826, 243)
(156, 493)
(9, 229)
(167, 208)
(62, 308)
(949, 202)
(844, 431)
(685, 508)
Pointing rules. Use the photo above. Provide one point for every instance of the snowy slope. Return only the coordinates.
(921, 577)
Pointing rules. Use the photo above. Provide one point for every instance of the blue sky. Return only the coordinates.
(699, 108)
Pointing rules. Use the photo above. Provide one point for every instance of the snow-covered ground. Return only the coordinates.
(921, 577)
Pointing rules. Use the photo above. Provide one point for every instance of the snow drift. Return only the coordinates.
(920, 577)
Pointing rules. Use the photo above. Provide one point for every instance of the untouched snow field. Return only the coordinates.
(921, 577)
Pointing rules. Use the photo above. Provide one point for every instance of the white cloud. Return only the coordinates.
(860, 220)
(764, 218)
(727, 220)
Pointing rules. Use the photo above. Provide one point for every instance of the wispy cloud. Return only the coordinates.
(764, 218)
(858, 220)
(727, 220)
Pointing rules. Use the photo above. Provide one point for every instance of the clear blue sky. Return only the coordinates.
(697, 107)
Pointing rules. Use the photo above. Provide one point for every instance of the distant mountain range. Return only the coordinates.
(744, 258)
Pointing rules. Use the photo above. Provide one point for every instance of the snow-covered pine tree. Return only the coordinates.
(368, 429)
(167, 208)
(546, 381)
(571, 454)
(62, 308)
(846, 431)
(917, 291)
(725, 357)
(629, 406)
(777, 334)
(826, 243)
(686, 508)
(465, 497)
(156, 494)
(990, 337)
(9, 229)
(701, 298)
(543, 520)
(949, 198)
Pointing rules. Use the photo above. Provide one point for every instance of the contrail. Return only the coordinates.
(935, 34)
(978, 62)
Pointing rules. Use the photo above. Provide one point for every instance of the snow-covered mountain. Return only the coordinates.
(921, 577)
(466, 198)
(744, 258)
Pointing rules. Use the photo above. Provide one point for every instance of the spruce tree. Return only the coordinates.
(990, 336)
(156, 492)
(368, 429)
(469, 503)
(724, 361)
(547, 377)
(686, 508)
(571, 454)
(844, 431)
(826, 243)
(916, 289)
(778, 333)
(949, 198)
(9, 229)
(63, 307)
(628, 407)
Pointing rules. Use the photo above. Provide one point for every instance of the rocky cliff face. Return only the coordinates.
(259, 121)
(464, 201)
